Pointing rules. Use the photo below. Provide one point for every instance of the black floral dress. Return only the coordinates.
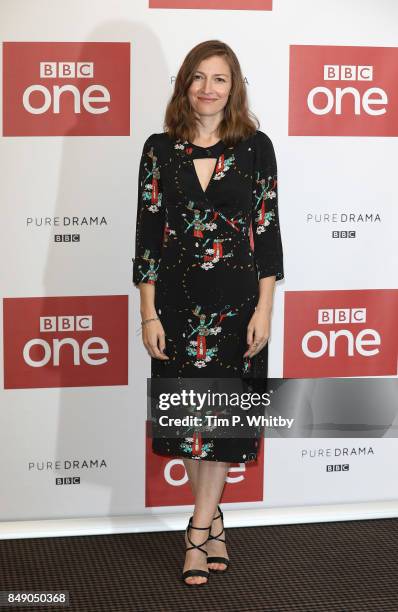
(205, 251)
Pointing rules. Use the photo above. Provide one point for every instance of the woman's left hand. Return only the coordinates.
(258, 331)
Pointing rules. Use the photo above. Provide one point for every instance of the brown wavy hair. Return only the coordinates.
(238, 122)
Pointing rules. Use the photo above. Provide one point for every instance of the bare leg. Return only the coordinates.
(192, 468)
(210, 481)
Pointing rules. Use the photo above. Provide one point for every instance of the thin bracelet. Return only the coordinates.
(147, 320)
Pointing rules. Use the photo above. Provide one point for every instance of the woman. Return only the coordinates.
(208, 251)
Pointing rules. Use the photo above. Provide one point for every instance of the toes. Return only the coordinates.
(195, 580)
(217, 566)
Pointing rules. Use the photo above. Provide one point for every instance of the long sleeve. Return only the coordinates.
(268, 252)
(150, 217)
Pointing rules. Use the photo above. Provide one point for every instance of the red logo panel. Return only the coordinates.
(167, 482)
(65, 341)
(259, 5)
(343, 91)
(66, 89)
(340, 333)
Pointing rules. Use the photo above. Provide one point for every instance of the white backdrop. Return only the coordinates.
(79, 175)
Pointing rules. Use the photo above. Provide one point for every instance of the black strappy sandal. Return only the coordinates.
(217, 537)
(195, 572)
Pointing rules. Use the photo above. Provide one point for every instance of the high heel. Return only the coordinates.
(217, 537)
(195, 572)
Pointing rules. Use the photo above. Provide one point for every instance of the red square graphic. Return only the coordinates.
(255, 5)
(78, 341)
(166, 481)
(66, 89)
(343, 91)
(340, 333)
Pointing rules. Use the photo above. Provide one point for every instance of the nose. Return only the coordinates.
(207, 86)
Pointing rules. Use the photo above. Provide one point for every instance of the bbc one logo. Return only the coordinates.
(340, 333)
(94, 350)
(343, 91)
(322, 100)
(65, 341)
(66, 89)
(50, 98)
(339, 320)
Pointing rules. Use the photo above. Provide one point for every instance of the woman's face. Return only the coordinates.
(212, 82)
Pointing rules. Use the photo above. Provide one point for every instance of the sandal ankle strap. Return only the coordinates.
(220, 515)
(190, 526)
(193, 545)
(217, 537)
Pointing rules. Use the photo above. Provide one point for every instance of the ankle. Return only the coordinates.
(217, 512)
(195, 534)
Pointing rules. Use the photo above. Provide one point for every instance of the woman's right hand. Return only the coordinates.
(153, 337)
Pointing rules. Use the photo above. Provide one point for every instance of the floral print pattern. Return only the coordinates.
(147, 259)
(265, 191)
(206, 326)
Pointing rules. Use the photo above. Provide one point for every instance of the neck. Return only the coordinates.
(207, 128)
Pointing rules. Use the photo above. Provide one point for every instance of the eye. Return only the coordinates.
(221, 79)
(197, 76)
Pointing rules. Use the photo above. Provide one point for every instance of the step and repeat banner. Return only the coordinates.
(83, 86)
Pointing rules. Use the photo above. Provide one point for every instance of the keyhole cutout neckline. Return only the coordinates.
(212, 152)
(204, 189)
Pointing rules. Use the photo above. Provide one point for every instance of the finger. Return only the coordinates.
(162, 342)
(252, 351)
(151, 344)
(262, 344)
(150, 351)
(256, 349)
(147, 347)
(161, 346)
(258, 344)
(156, 352)
(253, 343)
(249, 339)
